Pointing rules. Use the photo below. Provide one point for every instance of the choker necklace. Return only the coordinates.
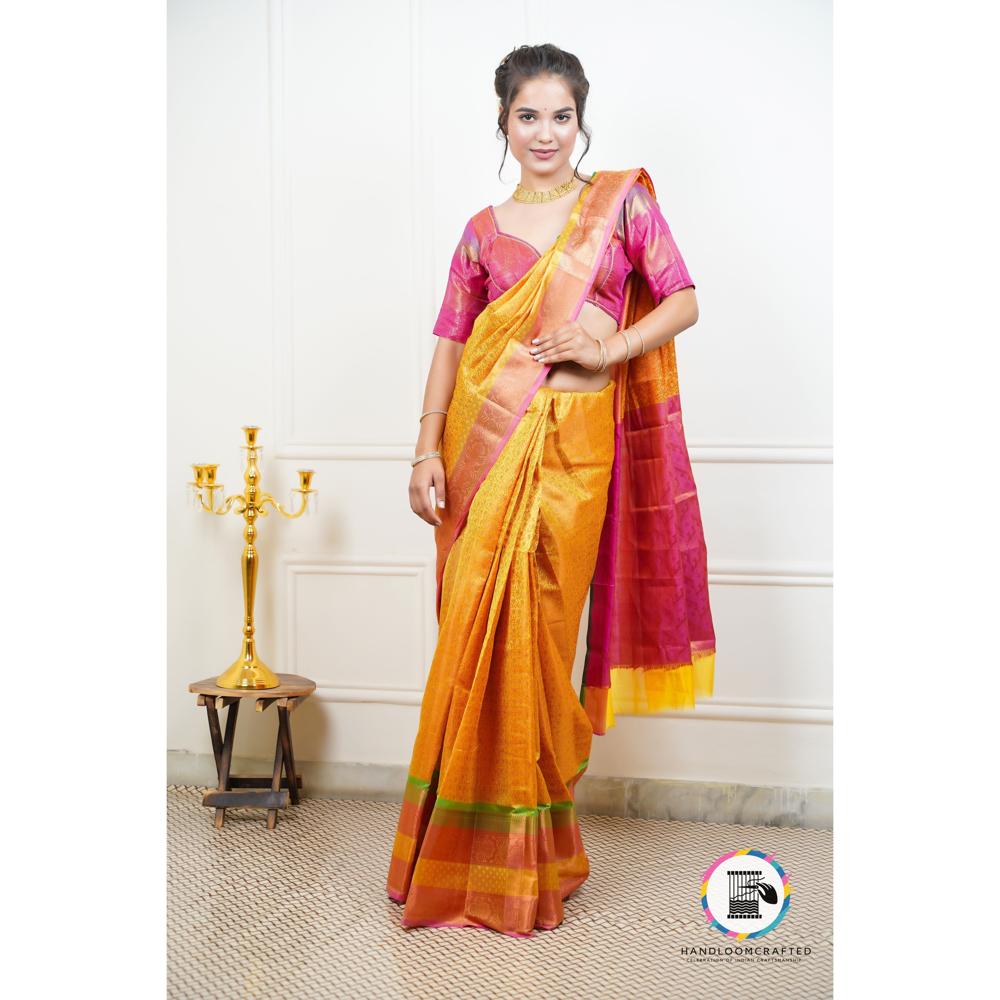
(534, 197)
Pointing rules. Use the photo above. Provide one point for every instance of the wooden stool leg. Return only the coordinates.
(215, 732)
(285, 735)
(272, 814)
(226, 759)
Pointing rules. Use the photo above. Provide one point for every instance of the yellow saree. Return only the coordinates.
(488, 833)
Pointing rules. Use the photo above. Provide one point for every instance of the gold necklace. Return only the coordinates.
(535, 197)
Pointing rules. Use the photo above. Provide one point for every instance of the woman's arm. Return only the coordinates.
(437, 396)
(572, 342)
(465, 297)
(672, 316)
(653, 253)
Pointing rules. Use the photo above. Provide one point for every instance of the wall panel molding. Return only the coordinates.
(729, 710)
(706, 453)
(282, 256)
(281, 236)
(296, 565)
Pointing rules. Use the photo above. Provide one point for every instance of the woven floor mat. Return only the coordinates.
(300, 913)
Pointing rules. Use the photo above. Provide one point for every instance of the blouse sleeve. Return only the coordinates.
(650, 246)
(465, 296)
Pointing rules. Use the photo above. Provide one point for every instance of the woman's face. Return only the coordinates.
(543, 119)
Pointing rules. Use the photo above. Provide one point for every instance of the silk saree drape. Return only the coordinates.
(650, 637)
(549, 493)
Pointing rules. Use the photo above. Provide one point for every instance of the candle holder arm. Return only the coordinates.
(227, 504)
(268, 499)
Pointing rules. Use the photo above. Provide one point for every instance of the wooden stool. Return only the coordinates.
(271, 793)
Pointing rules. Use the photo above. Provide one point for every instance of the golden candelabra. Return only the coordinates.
(248, 670)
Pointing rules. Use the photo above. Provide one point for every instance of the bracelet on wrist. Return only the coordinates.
(642, 343)
(629, 354)
(628, 345)
(602, 354)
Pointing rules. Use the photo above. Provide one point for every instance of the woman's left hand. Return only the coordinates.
(569, 343)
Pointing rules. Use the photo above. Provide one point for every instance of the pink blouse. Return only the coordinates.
(488, 261)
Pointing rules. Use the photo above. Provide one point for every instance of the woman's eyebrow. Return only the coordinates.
(559, 112)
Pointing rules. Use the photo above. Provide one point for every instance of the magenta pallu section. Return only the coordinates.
(649, 600)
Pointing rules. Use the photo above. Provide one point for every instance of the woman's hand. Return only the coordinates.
(569, 343)
(428, 473)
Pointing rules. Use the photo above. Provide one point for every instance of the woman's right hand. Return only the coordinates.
(428, 473)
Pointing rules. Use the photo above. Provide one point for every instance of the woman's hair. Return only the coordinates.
(525, 63)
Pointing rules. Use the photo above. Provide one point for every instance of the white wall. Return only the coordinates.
(323, 159)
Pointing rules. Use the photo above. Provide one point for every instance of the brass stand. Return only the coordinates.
(248, 671)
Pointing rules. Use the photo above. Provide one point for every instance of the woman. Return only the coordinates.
(553, 479)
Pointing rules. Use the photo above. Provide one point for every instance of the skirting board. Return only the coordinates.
(640, 798)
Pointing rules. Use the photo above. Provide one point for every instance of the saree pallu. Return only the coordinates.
(650, 635)
(488, 833)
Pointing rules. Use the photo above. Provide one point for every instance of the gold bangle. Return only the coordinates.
(426, 454)
(603, 363)
(597, 368)
(424, 414)
(641, 341)
(628, 345)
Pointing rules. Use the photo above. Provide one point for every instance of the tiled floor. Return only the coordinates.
(300, 912)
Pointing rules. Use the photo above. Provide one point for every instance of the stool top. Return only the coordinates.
(291, 686)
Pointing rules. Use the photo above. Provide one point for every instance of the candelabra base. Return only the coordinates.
(248, 673)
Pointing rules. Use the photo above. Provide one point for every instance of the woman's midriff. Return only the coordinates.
(571, 377)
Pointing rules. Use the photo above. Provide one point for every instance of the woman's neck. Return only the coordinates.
(531, 181)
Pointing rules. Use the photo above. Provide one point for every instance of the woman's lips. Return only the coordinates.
(544, 154)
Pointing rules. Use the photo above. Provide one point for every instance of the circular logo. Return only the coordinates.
(745, 894)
